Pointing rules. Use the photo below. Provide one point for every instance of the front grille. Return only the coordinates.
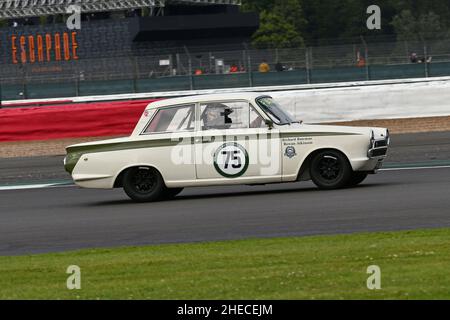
(378, 152)
(380, 144)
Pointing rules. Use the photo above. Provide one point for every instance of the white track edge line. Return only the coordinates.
(43, 186)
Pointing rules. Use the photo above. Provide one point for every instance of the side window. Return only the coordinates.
(173, 120)
(256, 121)
(224, 115)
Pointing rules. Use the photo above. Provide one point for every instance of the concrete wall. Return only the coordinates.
(388, 99)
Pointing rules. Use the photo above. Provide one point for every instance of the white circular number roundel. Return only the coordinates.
(231, 160)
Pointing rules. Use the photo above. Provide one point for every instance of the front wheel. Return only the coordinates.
(330, 170)
(143, 184)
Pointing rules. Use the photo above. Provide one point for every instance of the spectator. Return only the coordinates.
(234, 68)
(361, 63)
(279, 67)
(413, 58)
(264, 67)
(425, 59)
(360, 60)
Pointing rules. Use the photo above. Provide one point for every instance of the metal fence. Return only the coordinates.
(187, 69)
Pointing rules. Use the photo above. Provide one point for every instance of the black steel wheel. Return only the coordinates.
(143, 184)
(330, 169)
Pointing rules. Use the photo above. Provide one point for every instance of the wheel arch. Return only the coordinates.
(303, 172)
(118, 179)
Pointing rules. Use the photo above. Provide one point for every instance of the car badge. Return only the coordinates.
(290, 152)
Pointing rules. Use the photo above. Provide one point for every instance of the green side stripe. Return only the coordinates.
(75, 153)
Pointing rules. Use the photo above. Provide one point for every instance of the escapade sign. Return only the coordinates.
(44, 47)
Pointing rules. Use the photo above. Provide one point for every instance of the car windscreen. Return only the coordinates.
(275, 111)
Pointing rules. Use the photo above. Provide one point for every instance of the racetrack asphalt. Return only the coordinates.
(68, 218)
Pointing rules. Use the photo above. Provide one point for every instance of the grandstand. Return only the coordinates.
(118, 39)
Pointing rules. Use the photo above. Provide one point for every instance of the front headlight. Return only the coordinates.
(388, 136)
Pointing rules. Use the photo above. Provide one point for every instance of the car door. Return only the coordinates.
(234, 144)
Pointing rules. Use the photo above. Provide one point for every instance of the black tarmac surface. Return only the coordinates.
(67, 218)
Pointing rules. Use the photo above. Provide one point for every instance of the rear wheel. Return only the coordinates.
(357, 178)
(143, 184)
(330, 169)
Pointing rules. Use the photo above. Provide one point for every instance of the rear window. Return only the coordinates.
(173, 119)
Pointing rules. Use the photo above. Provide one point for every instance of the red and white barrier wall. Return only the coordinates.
(70, 121)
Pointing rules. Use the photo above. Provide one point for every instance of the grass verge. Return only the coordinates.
(414, 265)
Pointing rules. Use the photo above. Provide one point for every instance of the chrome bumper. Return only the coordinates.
(378, 148)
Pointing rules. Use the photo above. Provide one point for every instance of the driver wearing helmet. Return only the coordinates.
(216, 116)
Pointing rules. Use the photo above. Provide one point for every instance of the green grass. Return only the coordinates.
(414, 265)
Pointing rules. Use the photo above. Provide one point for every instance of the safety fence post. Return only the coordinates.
(248, 61)
(308, 63)
(191, 77)
(135, 75)
(366, 58)
(25, 89)
(367, 64)
(250, 71)
(77, 86)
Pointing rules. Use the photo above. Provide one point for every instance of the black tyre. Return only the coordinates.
(357, 178)
(330, 170)
(143, 184)
(172, 193)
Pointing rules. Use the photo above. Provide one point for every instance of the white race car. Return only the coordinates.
(225, 139)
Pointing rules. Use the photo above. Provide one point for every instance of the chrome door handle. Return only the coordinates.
(208, 139)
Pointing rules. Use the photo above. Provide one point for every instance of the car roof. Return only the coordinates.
(205, 98)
